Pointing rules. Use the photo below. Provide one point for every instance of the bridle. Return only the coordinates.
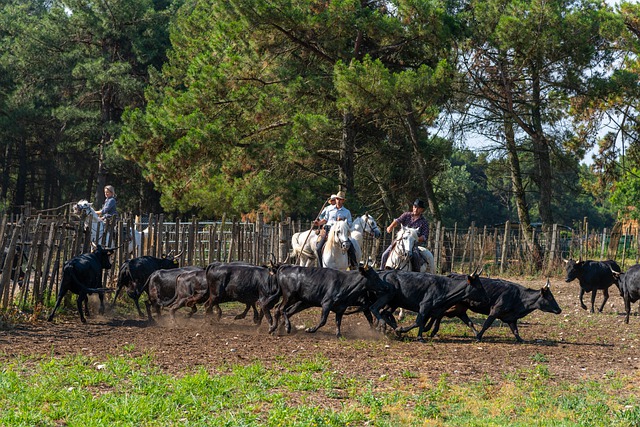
(368, 224)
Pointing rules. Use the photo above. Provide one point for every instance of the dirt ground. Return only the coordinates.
(574, 344)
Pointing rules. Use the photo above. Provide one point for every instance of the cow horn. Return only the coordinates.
(93, 246)
(616, 274)
(178, 254)
(548, 284)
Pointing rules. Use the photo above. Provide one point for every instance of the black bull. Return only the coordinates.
(508, 302)
(133, 275)
(592, 276)
(332, 290)
(429, 295)
(82, 275)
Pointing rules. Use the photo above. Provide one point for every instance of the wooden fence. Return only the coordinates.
(39, 243)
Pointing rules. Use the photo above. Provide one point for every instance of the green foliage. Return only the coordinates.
(257, 97)
(71, 69)
(627, 193)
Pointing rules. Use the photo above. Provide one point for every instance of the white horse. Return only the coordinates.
(304, 242)
(99, 230)
(334, 253)
(404, 244)
(364, 224)
(304, 247)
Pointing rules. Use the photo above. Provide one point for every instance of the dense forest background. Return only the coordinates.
(487, 109)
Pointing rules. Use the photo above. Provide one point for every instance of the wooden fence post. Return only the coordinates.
(5, 278)
(436, 247)
(505, 244)
(602, 244)
(553, 248)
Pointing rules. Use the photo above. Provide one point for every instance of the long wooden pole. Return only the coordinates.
(317, 216)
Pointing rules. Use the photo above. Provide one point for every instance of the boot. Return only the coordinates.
(351, 255)
(319, 256)
(416, 263)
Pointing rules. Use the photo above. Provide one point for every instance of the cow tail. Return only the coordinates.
(124, 277)
(86, 290)
(173, 299)
(272, 290)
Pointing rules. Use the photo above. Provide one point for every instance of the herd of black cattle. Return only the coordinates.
(288, 289)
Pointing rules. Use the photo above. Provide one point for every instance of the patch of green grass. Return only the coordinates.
(127, 391)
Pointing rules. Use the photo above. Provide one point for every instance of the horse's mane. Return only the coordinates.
(412, 231)
(332, 232)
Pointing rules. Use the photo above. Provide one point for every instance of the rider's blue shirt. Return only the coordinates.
(339, 214)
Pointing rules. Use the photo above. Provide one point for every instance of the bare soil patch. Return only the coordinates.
(574, 345)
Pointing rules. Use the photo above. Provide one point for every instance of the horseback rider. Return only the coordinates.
(413, 219)
(108, 211)
(337, 213)
(332, 205)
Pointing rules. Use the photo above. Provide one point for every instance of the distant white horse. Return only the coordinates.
(364, 224)
(334, 253)
(100, 230)
(304, 242)
(404, 244)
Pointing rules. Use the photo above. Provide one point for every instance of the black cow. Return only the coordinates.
(592, 275)
(240, 282)
(508, 302)
(429, 295)
(332, 290)
(629, 286)
(191, 289)
(161, 286)
(82, 275)
(134, 273)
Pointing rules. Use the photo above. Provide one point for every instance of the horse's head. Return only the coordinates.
(339, 235)
(406, 240)
(369, 225)
(83, 208)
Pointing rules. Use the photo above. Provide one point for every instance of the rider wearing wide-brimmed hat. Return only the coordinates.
(325, 212)
(413, 219)
(338, 213)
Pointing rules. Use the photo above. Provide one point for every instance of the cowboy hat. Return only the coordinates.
(340, 195)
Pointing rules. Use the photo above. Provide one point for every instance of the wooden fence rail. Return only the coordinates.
(40, 243)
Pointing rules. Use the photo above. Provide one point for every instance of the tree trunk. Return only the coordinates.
(6, 169)
(424, 177)
(21, 183)
(101, 179)
(347, 154)
(542, 157)
(519, 192)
